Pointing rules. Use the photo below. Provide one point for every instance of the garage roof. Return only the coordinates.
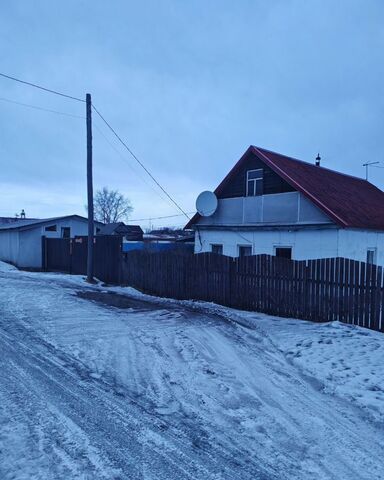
(28, 224)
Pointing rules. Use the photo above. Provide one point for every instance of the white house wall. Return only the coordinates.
(9, 246)
(306, 243)
(30, 249)
(354, 244)
(78, 228)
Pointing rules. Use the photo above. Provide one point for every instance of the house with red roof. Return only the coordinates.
(273, 204)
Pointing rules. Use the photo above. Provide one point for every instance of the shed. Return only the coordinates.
(21, 241)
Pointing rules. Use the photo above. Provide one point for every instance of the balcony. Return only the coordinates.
(290, 208)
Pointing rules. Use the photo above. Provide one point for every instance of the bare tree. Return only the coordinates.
(110, 206)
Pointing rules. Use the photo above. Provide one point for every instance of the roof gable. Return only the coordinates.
(349, 201)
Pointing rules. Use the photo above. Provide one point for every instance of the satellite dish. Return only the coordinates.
(206, 203)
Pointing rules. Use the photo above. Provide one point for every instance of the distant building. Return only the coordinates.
(273, 204)
(129, 232)
(161, 240)
(169, 234)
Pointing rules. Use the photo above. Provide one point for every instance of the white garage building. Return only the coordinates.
(21, 240)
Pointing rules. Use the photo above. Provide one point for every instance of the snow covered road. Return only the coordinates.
(98, 385)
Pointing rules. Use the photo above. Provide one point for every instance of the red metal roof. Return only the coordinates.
(349, 201)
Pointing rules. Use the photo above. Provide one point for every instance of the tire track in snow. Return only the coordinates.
(77, 397)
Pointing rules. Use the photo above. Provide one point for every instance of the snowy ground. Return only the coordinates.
(158, 389)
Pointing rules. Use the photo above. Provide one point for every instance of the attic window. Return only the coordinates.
(51, 228)
(254, 182)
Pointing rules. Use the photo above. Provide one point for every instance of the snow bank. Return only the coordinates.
(345, 359)
(7, 267)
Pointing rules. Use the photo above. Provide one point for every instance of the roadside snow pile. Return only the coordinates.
(7, 267)
(346, 359)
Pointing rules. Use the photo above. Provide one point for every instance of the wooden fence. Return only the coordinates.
(318, 290)
(70, 255)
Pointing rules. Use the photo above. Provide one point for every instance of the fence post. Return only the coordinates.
(232, 274)
(44, 253)
(120, 262)
(307, 293)
(71, 243)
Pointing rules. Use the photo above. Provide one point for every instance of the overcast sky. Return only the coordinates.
(189, 85)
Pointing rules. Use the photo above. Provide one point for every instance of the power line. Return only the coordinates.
(105, 138)
(40, 108)
(97, 128)
(41, 88)
(55, 92)
(159, 218)
(139, 162)
(129, 165)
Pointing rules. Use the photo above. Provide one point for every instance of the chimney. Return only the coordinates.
(318, 158)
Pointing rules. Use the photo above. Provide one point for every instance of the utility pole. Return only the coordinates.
(88, 103)
(366, 165)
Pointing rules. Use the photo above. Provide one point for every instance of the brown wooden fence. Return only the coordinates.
(70, 255)
(318, 290)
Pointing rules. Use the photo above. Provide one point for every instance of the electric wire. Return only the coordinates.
(130, 166)
(159, 218)
(28, 105)
(41, 87)
(41, 108)
(55, 92)
(139, 162)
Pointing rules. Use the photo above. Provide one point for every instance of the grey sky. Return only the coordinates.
(189, 86)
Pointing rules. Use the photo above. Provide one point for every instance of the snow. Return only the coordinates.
(109, 383)
(345, 359)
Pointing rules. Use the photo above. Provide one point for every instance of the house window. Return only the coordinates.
(254, 182)
(51, 228)
(371, 255)
(217, 248)
(283, 252)
(65, 232)
(245, 250)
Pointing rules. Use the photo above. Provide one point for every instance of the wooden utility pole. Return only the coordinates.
(89, 189)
